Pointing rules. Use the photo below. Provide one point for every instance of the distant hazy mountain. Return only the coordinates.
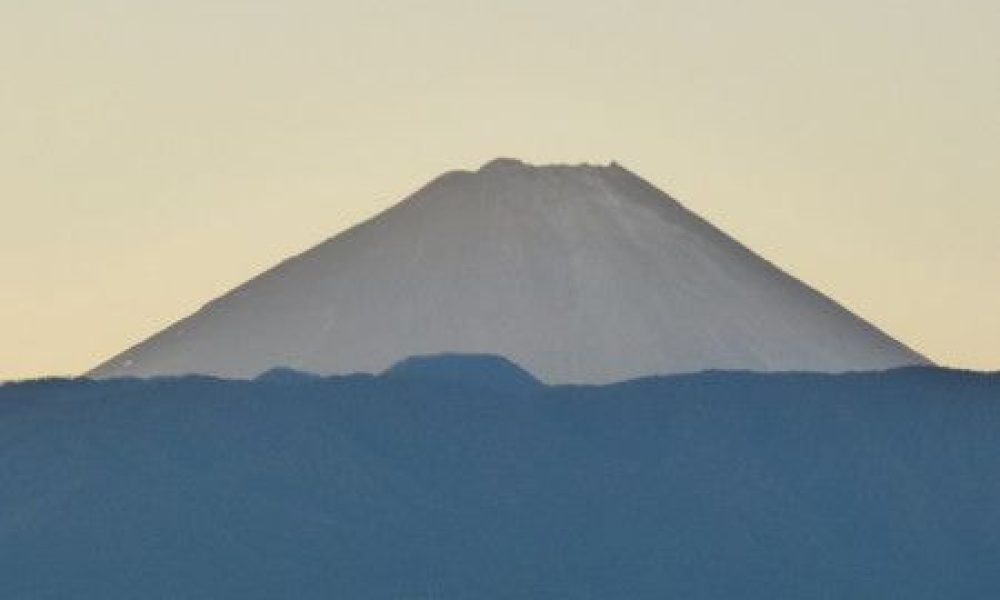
(465, 478)
(580, 274)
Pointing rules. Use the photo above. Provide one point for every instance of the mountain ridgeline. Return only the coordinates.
(466, 477)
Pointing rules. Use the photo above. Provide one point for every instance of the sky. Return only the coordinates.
(155, 154)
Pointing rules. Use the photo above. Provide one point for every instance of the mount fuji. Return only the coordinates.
(582, 274)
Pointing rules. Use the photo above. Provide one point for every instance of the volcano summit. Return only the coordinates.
(583, 274)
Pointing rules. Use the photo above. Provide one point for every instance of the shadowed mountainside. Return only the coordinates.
(463, 477)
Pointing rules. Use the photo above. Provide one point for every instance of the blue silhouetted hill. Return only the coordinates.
(469, 370)
(428, 482)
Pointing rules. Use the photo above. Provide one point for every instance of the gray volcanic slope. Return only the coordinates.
(578, 273)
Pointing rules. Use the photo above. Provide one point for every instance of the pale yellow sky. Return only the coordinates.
(155, 154)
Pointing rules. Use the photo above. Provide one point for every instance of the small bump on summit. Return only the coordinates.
(499, 164)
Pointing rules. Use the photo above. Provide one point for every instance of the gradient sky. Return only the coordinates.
(155, 154)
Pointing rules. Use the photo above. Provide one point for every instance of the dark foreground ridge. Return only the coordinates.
(463, 477)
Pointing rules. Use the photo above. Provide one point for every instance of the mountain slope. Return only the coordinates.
(581, 274)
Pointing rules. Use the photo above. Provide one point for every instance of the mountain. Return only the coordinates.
(484, 371)
(423, 482)
(582, 274)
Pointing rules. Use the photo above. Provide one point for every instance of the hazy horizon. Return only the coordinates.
(156, 155)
